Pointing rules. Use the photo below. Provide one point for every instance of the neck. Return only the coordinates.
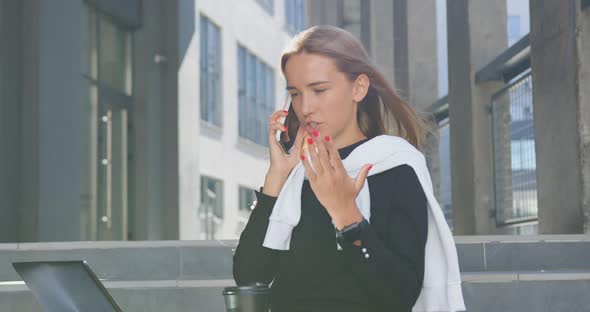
(344, 139)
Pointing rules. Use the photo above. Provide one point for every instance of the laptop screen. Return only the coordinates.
(65, 286)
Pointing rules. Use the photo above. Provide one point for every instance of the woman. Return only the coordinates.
(335, 256)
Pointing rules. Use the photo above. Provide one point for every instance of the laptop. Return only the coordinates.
(65, 286)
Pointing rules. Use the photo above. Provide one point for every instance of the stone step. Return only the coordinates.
(500, 273)
(202, 260)
(483, 291)
(527, 291)
(137, 296)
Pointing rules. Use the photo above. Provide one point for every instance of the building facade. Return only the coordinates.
(136, 120)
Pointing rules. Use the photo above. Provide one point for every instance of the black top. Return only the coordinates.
(314, 276)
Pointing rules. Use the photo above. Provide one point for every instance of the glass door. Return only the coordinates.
(108, 79)
(112, 171)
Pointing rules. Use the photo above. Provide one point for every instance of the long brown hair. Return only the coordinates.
(381, 109)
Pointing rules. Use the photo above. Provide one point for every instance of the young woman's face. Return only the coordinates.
(322, 97)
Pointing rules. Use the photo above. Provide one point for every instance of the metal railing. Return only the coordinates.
(515, 179)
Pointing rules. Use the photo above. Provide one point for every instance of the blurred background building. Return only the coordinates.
(136, 120)
(147, 120)
(125, 123)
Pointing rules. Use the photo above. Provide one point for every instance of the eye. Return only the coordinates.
(293, 94)
(318, 91)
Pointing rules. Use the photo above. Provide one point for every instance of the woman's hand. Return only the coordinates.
(281, 163)
(330, 182)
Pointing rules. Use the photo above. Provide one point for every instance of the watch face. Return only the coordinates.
(352, 233)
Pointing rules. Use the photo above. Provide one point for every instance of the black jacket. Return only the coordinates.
(314, 276)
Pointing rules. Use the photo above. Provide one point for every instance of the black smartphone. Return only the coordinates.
(282, 137)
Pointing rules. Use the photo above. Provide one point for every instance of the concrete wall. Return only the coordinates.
(188, 119)
(43, 105)
(382, 40)
(422, 47)
(583, 52)
(9, 120)
(559, 56)
(476, 36)
(155, 148)
(29, 123)
(60, 110)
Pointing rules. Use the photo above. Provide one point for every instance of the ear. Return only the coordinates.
(360, 87)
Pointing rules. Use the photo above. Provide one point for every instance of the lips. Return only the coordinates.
(310, 126)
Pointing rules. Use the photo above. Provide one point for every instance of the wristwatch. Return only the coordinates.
(352, 232)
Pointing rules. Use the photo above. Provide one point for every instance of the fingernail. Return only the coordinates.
(286, 111)
(302, 157)
(285, 128)
(315, 133)
(370, 166)
(327, 138)
(309, 141)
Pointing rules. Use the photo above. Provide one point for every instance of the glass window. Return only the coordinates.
(294, 15)
(113, 55)
(211, 189)
(210, 70)
(211, 208)
(255, 96)
(247, 199)
(242, 89)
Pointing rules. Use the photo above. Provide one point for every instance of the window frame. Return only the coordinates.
(256, 96)
(211, 72)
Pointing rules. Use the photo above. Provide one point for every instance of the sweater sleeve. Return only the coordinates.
(253, 262)
(389, 264)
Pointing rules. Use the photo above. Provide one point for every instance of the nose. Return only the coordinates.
(307, 105)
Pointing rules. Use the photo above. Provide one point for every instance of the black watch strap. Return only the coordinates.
(352, 232)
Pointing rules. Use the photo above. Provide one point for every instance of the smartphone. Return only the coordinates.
(282, 137)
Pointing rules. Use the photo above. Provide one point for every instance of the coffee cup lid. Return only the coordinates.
(246, 290)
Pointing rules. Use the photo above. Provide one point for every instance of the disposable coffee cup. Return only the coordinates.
(247, 299)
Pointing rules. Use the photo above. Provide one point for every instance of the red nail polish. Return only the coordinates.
(309, 141)
(370, 166)
(302, 157)
(286, 111)
(327, 138)
(315, 133)
(284, 128)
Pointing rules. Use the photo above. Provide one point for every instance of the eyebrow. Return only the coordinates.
(309, 85)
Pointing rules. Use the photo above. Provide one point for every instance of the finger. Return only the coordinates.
(323, 155)
(333, 153)
(362, 176)
(299, 139)
(312, 148)
(272, 133)
(276, 115)
(311, 175)
(275, 125)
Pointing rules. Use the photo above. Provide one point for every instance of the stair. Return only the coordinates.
(499, 273)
